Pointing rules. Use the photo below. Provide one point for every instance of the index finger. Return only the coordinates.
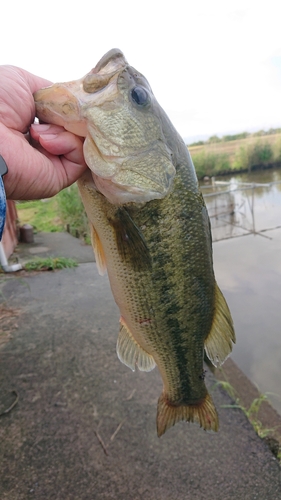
(34, 82)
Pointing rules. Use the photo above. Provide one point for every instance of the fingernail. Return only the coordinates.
(41, 127)
(48, 137)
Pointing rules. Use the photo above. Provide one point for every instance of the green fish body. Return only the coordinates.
(151, 232)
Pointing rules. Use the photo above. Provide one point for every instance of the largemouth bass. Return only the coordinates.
(150, 230)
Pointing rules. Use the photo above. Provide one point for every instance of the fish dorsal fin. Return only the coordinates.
(98, 251)
(131, 353)
(218, 344)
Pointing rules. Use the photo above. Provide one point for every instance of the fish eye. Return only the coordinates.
(140, 96)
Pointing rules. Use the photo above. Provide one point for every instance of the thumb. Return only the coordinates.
(57, 141)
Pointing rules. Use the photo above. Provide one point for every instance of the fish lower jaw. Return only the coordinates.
(121, 195)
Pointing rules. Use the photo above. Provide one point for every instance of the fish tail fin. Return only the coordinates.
(203, 413)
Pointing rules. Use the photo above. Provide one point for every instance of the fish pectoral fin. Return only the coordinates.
(131, 353)
(218, 344)
(130, 241)
(98, 251)
(204, 413)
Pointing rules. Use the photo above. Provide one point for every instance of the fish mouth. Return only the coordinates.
(114, 193)
(60, 104)
(64, 103)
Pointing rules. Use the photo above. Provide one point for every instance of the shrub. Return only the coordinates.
(213, 139)
(72, 212)
(241, 159)
(277, 151)
(210, 163)
(260, 154)
(235, 137)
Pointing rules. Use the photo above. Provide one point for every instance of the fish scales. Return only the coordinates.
(166, 323)
(151, 231)
(181, 324)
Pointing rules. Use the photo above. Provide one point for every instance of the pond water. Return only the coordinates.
(246, 228)
(243, 204)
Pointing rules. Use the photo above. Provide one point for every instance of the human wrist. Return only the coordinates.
(3, 171)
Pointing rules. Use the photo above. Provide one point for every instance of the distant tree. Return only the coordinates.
(261, 154)
(214, 138)
(235, 137)
(198, 143)
(259, 133)
(273, 131)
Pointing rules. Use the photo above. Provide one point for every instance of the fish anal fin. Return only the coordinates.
(204, 413)
(131, 353)
(218, 343)
(98, 251)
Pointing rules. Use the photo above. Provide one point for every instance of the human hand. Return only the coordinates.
(42, 159)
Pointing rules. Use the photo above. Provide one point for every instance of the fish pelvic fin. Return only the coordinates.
(204, 413)
(131, 353)
(218, 343)
(98, 251)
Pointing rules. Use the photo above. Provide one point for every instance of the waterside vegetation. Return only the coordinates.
(252, 414)
(236, 153)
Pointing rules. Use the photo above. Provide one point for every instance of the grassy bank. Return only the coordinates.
(43, 215)
(63, 212)
(217, 157)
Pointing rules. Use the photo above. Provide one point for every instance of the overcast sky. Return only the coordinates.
(214, 65)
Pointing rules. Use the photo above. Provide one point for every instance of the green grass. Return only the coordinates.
(251, 412)
(65, 211)
(49, 264)
(72, 213)
(41, 214)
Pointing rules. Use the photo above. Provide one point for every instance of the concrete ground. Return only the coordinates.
(53, 245)
(83, 427)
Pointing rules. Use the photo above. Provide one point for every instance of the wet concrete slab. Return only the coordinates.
(248, 270)
(53, 245)
(84, 424)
